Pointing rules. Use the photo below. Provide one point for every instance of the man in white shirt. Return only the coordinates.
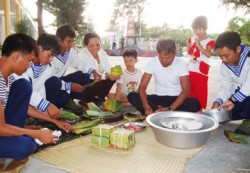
(172, 83)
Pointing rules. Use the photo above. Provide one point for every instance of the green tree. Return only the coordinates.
(180, 35)
(242, 26)
(69, 11)
(24, 26)
(125, 8)
(245, 4)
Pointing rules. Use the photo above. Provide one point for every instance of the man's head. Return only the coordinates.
(49, 46)
(130, 57)
(67, 34)
(199, 26)
(19, 49)
(166, 50)
(227, 46)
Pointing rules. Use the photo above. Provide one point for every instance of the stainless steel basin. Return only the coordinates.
(181, 138)
(220, 116)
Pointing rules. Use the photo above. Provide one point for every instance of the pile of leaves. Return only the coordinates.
(240, 134)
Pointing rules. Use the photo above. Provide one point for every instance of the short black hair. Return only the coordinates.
(89, 36)
(19, 43)
(130, 52)
(200, 21)
(166, 45)
(65, 30)
(229, 39)
(49, 42)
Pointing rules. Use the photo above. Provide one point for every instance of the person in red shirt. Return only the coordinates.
(200, 49)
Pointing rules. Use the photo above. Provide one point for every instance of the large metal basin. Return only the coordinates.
(179, 138)
(220, 116)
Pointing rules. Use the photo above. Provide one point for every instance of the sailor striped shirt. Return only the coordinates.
(4, 89)
(235, 80)
(63, 57)
(37, 69)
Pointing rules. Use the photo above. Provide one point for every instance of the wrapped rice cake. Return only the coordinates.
(100, 141)
(102, 130)
(113, 105)
(122, 138)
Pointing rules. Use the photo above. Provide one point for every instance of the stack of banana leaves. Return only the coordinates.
(93, 116)
(94, 112)
(79, 126)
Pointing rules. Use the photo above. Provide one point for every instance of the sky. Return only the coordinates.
(173, 12)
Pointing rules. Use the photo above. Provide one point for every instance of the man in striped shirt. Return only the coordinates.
(45, 103)
(15, 141)
(235, 75)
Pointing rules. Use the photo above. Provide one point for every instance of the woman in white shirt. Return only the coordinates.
(96, 58)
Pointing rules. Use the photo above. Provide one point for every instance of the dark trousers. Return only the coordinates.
(80, 78)
(154, 101)
(100, 89)
(54, 94)
(241, 110)
(17, 147)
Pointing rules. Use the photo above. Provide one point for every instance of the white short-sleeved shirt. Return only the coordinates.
(167, 79)
(194, 65)
(130, 81)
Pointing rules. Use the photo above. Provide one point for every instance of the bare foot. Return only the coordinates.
(15, 164)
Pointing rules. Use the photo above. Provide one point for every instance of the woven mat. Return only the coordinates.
(146, 156)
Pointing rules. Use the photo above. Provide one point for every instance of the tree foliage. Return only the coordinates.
(180, 35)
(124, 9)
(245, 4)
(24, 26)
(242, 26)
(69, 11)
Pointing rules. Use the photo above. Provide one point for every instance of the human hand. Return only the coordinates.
(53, 111)
(46, 136)
(148, 110)
(228, 104)
(197, 41)
(215, 105)
(97, 76)
(77, 87)
(113, 78)
(64, 126)
(162, 109)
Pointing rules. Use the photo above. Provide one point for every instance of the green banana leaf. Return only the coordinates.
(68, 115)
(236, 138)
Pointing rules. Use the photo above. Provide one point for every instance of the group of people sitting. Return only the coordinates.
(35, 81)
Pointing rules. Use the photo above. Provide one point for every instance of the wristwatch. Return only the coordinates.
(234, 102)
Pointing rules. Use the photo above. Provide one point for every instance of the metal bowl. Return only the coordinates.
(181, 138)
(220, 116)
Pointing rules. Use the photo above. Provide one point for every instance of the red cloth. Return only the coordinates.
(199, 89)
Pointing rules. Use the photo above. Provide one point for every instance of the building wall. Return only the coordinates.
(13, 4)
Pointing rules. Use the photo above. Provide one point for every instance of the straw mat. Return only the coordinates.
(147, 156)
